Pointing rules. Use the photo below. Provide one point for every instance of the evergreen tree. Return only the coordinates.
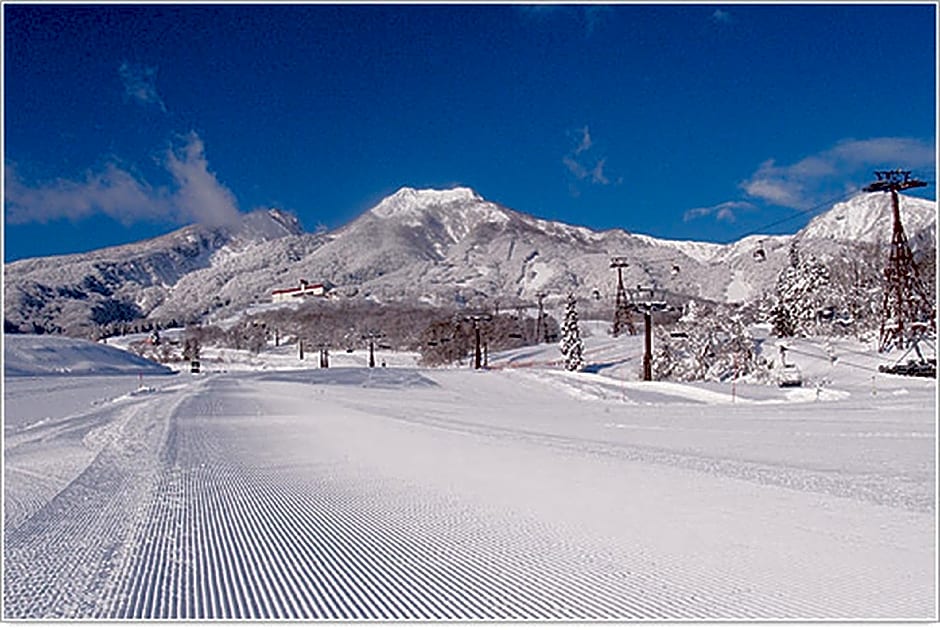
(857, 289)
(707, 344)
(782, 320)
(802, 294)
(571, 346)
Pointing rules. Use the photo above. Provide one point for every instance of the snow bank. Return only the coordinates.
(44, 355)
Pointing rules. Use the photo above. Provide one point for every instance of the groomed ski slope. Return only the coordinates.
(531, 493)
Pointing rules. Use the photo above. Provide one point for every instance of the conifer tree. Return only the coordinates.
(802, 293)
(708, 343)
(571, 346)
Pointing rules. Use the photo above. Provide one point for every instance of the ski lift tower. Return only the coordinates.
(905, 306)
(622, 320)
(371, 337)
(476, 318)
(643, 299)
(541, 331)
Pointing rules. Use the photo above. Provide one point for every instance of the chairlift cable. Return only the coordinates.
(758, 231)
(841, 361)
(834, 200)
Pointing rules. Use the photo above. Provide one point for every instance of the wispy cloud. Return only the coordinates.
(585, 141)
(817, 179)
(114, 191)
(199, 196)
(597, 173)
(594, 16)
(540, 10)
(845, 166)
(721, 17)
(583, 164)
(574, 168)
(590, 18)
(140, 84)
(726, 211)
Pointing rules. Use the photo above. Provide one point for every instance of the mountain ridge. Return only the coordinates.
(435, 246)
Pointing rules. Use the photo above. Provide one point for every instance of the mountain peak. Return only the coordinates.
(269, 224)
(868, 217)
(408, 200)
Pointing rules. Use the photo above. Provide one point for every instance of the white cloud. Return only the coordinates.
(574, 168)
(911, 152)
(590, 17)
(726, 211)
(140, 84)
(115, 192)
(578, 161)
(597, 174)
(846, 166)
(721, 17)
(585, 141)
(200, 196)
(781, 186)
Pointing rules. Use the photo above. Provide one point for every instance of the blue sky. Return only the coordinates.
(698, 122)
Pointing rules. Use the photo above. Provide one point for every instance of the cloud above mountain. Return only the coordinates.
(583, 163)
(199, 196)
(195, 196)
(823, 178)
(726, 211)
(115, 191)
(846, 166)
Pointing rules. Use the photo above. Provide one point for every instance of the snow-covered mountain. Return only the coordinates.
(65, 293)
(868, 219)
(437, 246)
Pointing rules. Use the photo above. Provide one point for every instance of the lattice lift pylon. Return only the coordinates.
(907, 312)
(623, 322)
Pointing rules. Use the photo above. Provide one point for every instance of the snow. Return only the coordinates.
(414, 243)
(699, 251)
(738, 289)
(40, 355)
(409, 201)
(265, 489)
(867, 218)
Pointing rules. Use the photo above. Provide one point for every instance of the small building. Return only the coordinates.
(298, 292)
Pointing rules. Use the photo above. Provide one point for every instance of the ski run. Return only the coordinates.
(270, 491)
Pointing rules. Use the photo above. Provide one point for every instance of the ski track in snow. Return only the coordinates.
(237, 540)
(60, 561)
(223, 501)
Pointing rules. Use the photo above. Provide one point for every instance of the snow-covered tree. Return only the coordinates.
(192, 345)
(708, 343)
(571, 346)
(802, 295)
(857, 280)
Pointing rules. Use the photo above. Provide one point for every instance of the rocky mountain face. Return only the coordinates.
(439, 247)
(129, 282)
